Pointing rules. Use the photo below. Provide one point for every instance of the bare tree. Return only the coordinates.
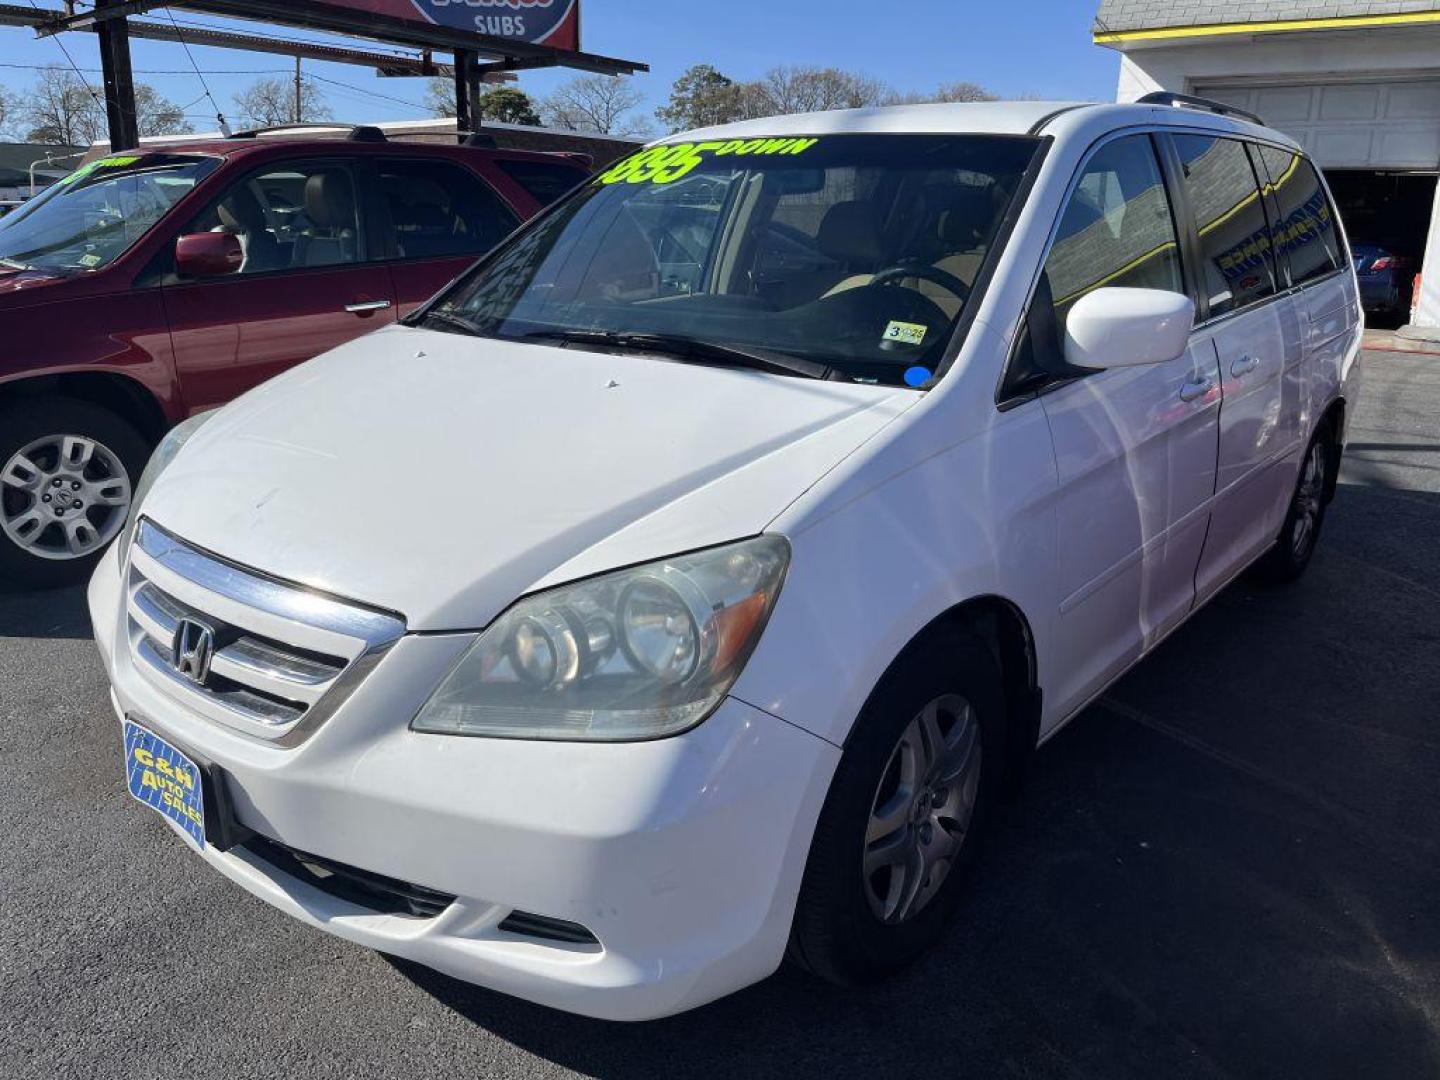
(157, 115)
(810, 89)
(948, 92)
(271, 102)
(602, 104)
(440, 97)
(7, 109)
(63, 108)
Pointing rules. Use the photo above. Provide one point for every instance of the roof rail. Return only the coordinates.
(358, 132)
(1190, 101)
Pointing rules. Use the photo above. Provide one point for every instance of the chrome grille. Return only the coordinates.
(280, 658)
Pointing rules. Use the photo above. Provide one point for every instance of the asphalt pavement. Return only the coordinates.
(1229, 867)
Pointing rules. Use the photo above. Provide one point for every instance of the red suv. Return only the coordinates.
(152, 285)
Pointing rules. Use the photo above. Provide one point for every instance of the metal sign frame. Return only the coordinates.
(109, 20)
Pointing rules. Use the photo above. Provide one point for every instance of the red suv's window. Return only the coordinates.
(545, 181)
(290, 216)
(437, 209)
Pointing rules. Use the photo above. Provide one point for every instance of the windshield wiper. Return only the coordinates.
(692, 349)
(453, 322)
(13, 264)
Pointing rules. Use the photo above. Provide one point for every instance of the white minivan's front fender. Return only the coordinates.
(103, 597)
(876, 559)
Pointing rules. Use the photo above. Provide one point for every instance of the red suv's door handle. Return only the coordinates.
(367, 307)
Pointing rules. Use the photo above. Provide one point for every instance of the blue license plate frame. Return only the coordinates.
(163, 777)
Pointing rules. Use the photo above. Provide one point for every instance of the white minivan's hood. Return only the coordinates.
(442, 476)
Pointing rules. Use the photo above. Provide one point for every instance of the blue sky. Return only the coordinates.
(1037, 48)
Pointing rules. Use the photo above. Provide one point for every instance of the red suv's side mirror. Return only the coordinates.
(208, 254)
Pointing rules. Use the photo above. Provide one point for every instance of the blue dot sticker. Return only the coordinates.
(917, 376)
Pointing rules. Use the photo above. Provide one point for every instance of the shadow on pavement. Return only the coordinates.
(49, 613)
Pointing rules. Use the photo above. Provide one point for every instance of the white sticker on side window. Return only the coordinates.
(907, 333)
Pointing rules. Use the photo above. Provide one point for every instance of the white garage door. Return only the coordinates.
(1368, 125)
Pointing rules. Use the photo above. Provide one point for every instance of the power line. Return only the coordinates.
(371, 93)
(83, 81)
(219, 114)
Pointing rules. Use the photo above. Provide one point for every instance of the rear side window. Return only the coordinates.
(1236, 264)
(1306, 234)
(545, 181)
(439, 209)
(1117, 229)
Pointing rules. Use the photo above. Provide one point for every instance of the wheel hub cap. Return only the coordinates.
(63, 497)
(1309, 501)
(922, 809)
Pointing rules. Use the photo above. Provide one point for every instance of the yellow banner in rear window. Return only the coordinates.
(668, 163)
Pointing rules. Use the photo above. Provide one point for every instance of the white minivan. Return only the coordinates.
(677, 591)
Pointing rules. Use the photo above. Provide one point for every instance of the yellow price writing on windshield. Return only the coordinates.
(101, 163)
(668, 163)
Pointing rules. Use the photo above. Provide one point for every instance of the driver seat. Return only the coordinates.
(850, 233)
(242, 215)
(966, 212)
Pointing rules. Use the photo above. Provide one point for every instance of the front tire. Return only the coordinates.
(68, 471)
(905, 814)
(1300, 534)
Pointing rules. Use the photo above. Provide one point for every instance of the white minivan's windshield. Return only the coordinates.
(842, 256)
(93, 216)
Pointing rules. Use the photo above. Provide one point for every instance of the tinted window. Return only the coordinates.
(289, 217)
(545, 181)
(1306, 235)
(1234, 235)
(1117, 229)
(438, 209)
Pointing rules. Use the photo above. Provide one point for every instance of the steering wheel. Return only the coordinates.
(902, 270)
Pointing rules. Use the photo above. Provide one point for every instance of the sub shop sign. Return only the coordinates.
(538, 22)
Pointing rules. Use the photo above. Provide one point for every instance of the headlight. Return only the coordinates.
(159, 461)
(637, 654)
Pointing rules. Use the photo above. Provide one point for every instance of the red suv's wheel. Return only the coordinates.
(67, 472)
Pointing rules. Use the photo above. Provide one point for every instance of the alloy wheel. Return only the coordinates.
(1309, 501)
(922, 809)
(63, 497)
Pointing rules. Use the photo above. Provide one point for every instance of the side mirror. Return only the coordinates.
(1122, 327)
(208, 255)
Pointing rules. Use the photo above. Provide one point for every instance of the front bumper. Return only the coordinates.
(682, 856)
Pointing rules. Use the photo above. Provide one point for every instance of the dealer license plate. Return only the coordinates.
(165, 780)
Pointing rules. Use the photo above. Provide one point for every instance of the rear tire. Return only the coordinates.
(1300, 534)
(68, 471)
(905, 815)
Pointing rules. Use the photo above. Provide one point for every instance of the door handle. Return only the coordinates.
(1197, 388)
(1244, 366)
(364, 307)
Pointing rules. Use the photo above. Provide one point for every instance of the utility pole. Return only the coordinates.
(114, 35)
(299, 87)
